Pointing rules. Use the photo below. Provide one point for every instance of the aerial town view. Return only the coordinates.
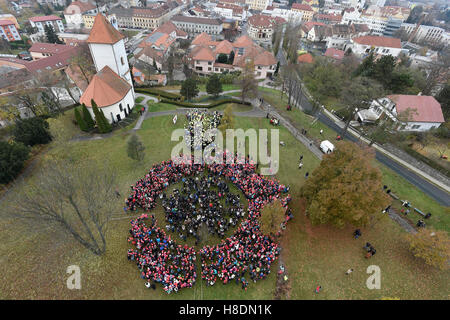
(249, 150)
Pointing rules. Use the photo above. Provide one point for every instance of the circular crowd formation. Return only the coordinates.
(245, 256)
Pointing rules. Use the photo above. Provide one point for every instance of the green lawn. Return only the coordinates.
(159, 106)
(36, 254)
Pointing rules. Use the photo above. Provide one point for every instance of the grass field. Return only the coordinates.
(34, 257)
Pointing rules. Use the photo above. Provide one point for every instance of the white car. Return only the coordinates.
(326, 147)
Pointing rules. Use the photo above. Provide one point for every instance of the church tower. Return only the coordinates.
(107, 48)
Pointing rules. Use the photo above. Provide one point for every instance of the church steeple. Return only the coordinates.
(107, 48)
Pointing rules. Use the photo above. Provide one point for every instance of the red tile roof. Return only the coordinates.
(52, 48)
(224, 46)
(202, 39)
(103, 32)
(302, 6)
(106, 88)
(204, 54)
(379, 41)
(305, 58)
(6, 23)
(44, 18)
(423, 108)
(335, 53)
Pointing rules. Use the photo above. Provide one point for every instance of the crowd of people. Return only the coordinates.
(247, 255)
(198, 124)
(198, 203)
(159, 258)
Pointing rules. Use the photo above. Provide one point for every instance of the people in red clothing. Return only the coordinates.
(247, 252)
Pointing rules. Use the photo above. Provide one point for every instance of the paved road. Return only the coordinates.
(441, 196)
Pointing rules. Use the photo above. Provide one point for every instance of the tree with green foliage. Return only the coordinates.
(189, 89)
(87, 117)
(32, 131)
(272, 216)
(214, 86)
(12, 159)
(80, 121)
(345, 188)
(222, 58)
(102, 123)
(135, 148)
(51, 35)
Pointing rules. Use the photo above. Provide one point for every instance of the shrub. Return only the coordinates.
(207, 106)
(158, 92)
(12, 159)
(32, 131)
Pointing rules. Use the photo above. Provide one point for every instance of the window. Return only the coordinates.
(416, 126)
(121, 60)
(120, 107)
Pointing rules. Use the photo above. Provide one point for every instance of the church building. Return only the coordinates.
(111, 88)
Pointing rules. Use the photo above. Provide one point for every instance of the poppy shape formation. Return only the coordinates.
(247, 253)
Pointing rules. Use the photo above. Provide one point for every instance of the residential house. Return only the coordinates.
(8, 31)
(410, 112)
(41, 50)
(305, 9)
(261, 27)
(75, 11)
(379, 45)
(41, 21)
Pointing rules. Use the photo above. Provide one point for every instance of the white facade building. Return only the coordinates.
(111, 88)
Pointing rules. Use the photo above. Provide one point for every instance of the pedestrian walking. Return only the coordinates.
(318, 289)
(306, 175)
(321, 131)
(301, 158)
(349, 271)
(300, 165)
(357, 233)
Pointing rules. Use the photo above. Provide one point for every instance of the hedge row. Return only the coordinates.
(428, 161)
(207, 106)
(157, 92)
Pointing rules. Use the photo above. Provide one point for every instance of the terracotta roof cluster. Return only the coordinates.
(104, 32)
(301, 7)
(169, 27)
(44, 18)
(423, 108)
(106, 88)
(264, 21)
(307, 26)
(51, 48)
(83, 7)
(335, 53)
(151, 53)
(204, 49)
(378, 41)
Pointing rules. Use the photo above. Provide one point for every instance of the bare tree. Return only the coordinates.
(80, 200)
(82, 61)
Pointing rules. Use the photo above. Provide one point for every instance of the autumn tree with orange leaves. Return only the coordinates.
(345, 188)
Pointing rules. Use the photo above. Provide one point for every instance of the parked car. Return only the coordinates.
(326, 147)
